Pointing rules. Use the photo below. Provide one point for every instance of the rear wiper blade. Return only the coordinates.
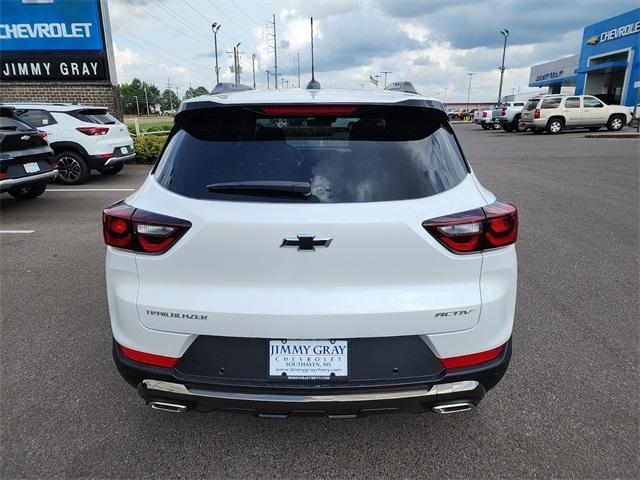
(274, 186)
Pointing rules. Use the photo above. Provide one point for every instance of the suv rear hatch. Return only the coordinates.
(246, 266)
(111, 134)
(21, 144)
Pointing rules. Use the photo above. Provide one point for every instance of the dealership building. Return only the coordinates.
(57, 51)
(607, 67)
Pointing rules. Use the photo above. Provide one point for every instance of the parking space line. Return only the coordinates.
(17, 231)
(90, 190)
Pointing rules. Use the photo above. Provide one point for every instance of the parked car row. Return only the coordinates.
(553, 114)
(83, 138)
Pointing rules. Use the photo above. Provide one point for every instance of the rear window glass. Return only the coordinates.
(95, 115)
(553, 102)
(532, 104)
(11, 123)
(379, 154)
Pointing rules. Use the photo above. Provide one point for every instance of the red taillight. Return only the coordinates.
(148, 358)
(493, 226)
(504, 111)
(536, 113)
(472, 359)
(3, 175)
(309, 109)
(484, 114)
(43, 134)
(140, 231)
(93, 130)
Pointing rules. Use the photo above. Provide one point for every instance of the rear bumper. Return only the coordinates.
(97, 161)
(44, 177)
(461, 386)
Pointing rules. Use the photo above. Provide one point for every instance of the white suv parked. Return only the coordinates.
(277, 262)
(555, 113)
(82, 138)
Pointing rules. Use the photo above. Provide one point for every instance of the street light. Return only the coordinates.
(253, 66)
(215, 27)
(469, 89)
(505, 34)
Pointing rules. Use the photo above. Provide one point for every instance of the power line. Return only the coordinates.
(181, 19)
(244, 13)
(120, 33)
(167, 24)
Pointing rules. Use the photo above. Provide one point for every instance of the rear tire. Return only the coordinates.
(508, 127)
(112, 170)
(28, 193)
(72, 167)
(518, 125)
(484, 126)
(615, 123)
(555, 125)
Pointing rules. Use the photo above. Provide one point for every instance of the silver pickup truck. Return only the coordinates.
(485, 119)
(508, 115)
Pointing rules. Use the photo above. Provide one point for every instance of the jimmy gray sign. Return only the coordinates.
(53, 40)
(52, 67)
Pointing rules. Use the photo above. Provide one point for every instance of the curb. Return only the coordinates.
(612, 135)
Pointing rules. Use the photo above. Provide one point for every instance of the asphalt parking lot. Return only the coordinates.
(567, 408)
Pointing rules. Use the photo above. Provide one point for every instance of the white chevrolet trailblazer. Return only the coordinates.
(305, 251)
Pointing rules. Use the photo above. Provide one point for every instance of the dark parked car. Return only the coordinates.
(26, 160)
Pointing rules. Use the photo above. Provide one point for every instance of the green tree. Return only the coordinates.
(169, 100)
(195, 92)
(137, 89)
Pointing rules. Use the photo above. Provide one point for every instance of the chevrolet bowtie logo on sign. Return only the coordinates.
(306, 242)
(593, 40)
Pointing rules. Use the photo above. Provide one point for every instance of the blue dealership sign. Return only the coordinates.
(50, 25)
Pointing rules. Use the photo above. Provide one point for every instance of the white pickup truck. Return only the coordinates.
(508, 115)
(485, 119)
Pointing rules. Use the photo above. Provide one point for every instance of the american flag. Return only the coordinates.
(373, 80)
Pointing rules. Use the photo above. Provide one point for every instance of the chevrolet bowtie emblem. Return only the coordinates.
(306, 242)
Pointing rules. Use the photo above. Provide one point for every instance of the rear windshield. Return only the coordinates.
(94, 115)
(532, 104)
(11, 123)
(380, 154)
(553, 102)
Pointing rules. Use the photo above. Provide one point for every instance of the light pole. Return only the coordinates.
(385, 78)
(238, 62)
(469, 89)
(146, 99)
(268, 73)
(253, 66)
(215, 27)
(137, 105)
(505, 34)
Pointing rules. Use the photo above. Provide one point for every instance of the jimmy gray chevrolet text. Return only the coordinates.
(311, 251)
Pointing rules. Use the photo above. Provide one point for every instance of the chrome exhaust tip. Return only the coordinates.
(453, 408)
(168, 407)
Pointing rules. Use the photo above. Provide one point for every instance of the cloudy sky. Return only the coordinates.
(432, 43)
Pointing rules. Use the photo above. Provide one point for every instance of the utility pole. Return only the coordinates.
(298, 69)
(282, 80)
(253, 66)
(170, 97)
(505, 34)
(137, 105)
(275, 50)
(177, 95)
(146, 99)
(385, 78)
(377, 77)
(238, 62)
(268, 73)
(469, 89)
(215, 27)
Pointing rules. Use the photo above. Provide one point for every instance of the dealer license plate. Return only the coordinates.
(306, 359)
(31, 167)
(124, 150)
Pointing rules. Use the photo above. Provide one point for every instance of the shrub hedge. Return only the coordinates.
(148, 148)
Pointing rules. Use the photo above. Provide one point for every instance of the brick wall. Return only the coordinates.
(97, 94)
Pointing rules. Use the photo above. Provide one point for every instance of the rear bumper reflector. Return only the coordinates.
(148, 358)
(472, 359)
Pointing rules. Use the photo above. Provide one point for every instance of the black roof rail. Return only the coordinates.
(406, 87)
(230, 88)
